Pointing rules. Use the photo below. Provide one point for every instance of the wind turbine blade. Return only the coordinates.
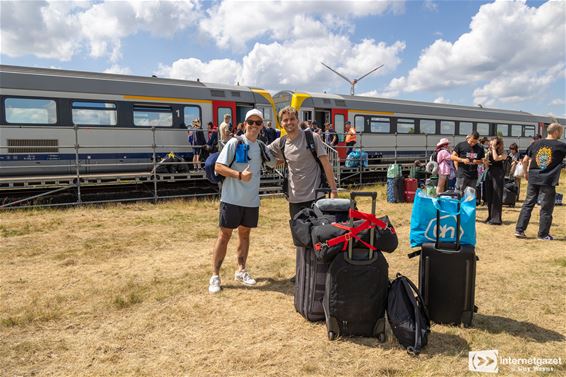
(338, 73)
(373, 70)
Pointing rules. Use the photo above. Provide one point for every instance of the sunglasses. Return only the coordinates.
(251, 122)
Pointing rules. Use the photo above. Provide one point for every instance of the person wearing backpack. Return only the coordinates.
(240, 163)
(307, 162)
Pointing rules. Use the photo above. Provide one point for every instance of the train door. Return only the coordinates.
(220, 108)
(306, 114)
(321, 117)
(241, 111)
(339, 117)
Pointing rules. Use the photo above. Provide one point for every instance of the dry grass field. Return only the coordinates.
(122, 290)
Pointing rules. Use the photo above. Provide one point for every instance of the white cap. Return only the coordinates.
(254, 112)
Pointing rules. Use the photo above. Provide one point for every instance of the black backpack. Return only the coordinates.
(311, 146)
(408, 315)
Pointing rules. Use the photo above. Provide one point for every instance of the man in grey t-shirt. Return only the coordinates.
(240, 163)
(304, 170)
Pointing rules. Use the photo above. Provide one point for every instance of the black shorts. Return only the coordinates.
(232, 216)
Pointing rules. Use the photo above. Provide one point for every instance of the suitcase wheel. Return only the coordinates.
(381, 338)
(331, 335)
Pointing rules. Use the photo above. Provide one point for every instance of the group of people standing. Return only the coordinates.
(202, 146)
(541, 167)
(241, 160)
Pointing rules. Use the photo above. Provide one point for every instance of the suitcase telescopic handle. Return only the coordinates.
(353, 196)
(456, 196)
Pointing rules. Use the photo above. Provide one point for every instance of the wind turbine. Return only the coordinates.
(354, 81)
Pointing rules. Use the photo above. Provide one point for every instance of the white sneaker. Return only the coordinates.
(244, 278)
(214, 284)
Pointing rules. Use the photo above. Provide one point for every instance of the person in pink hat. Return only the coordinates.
(445, 167)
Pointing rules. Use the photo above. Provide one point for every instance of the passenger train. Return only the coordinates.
(409, 129)
(50, 118)
(118, 118)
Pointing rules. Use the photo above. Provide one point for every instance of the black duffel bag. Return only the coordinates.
(385, 238)
(323, 212)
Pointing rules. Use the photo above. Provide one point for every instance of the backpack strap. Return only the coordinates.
(263, 152)
(417, 303)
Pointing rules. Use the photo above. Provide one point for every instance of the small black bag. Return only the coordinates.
(408, 315)
(322, 212)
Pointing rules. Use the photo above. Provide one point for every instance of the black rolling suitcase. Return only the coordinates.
(356, 290)
(447, 279)
(310, 273)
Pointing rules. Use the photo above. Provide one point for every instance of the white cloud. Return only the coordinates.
(511, 46)
(294, 63)
(225, 71)
(231, 24)
(60, 29)
(558, 102)
(516, 87)
(119, 70)
(441, 99)
(430, 5)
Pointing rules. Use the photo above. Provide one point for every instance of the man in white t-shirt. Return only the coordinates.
(240, 162)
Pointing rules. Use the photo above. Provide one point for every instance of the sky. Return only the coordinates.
(503, 54)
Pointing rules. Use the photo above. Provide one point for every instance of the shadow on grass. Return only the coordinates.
(268, 284)
(438, 344)
(496, 325)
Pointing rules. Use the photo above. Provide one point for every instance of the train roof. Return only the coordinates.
(16, 77)
(364, 103)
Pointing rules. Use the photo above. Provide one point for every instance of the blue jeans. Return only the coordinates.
(548, 194)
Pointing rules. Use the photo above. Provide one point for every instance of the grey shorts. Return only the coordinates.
(232, 216)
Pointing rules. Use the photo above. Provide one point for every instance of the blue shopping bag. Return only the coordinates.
(423, 219)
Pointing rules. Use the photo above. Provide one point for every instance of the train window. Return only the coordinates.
(529, 131)
(466, 128)
(482, 129)
(359, 123)
(502, 130)
(94, 113)
(405, 126)
(447, 127)
(516, 130)
(191, 113)
(223, 111)
(30, 111)
(153, 116)
(380, 125)
(267, 113)
(428, 126)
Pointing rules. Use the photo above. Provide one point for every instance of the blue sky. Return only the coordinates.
(505, 54)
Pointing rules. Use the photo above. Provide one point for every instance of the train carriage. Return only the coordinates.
(113, 120)
(407, 130)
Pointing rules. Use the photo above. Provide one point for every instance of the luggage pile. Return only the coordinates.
(342, 274)
(447, 267)
(400, 189)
